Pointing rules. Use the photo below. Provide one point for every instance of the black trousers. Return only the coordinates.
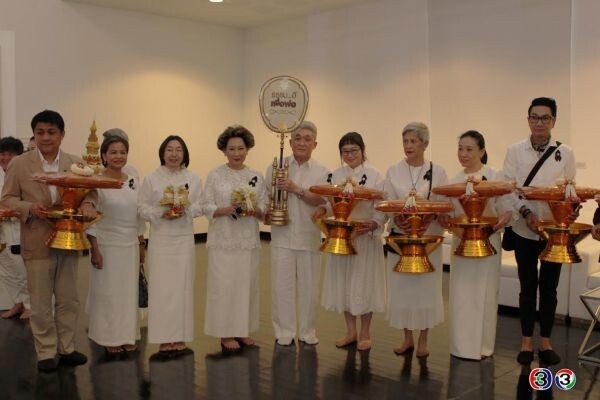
(526, 254)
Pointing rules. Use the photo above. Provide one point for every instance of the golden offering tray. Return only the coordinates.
(561, 234)
(339, 231)
(6, 214)
(474, 229)
(69, 224)
(176, 198)
(413, 246)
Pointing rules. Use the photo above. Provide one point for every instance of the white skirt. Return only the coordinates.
(473, 308)
(232, 288)
(112, 302)
(356, 283)
(415, 300)
(171, 270)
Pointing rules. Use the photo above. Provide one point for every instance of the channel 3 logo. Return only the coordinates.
(541, 379)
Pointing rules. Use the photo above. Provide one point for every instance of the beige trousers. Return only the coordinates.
(53, 329)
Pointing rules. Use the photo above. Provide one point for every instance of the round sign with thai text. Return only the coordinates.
(283, 103)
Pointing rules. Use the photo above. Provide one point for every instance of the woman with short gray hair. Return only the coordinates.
(415, 300)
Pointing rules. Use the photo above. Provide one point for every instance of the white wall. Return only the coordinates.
(149, 75)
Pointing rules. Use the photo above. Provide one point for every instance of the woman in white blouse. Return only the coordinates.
(474, 282)
(355, 284)
(117, 250)
(415, 300)
(234, 202)
(171, 251)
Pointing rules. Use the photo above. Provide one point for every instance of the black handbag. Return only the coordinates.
(509, 237)
(143, 289)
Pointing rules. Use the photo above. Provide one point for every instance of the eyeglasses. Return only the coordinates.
(534, 119)
(352, 152)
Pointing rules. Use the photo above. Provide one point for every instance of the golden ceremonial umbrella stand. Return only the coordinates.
(473, 228)
(339, 229)
(561, 234)
(413, 246)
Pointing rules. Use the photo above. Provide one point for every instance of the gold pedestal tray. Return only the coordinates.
(474, 229)
(5, 214)
(561, 234)
(413, 247)
(69, 224)
(338, 229)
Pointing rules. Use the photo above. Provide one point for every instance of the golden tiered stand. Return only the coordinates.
(5, 214)
(473, 228)
(339, 229)
(561, 234)
(413, 246)
(69, 224)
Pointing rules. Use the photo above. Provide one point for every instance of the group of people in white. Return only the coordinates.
(355, 285)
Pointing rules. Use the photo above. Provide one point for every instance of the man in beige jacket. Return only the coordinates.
(50, 272)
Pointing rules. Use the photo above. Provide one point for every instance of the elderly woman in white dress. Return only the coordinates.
(117, 251)
(355, 284)
(169, 199)
(234, 202)
(415, 300)
(474, 281)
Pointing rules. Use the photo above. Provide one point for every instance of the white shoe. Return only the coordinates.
(285, 341)
(310, 340)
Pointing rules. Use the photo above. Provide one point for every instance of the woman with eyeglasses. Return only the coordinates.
(234, 202)
(474, 282)
(355, 284)
(170, 198)
(415, 300)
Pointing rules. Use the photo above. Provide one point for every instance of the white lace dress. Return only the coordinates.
(112, 302)
(171, 257)
(356, 283)
(415, 300)
(232, 284)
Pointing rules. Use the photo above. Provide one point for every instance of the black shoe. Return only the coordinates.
(525, 357)
(47, 365)
(548, 357)
(75, 358)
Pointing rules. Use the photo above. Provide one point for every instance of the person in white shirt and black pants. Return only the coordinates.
(536, 161)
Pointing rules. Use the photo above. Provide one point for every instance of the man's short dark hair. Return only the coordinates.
(544, 101)
(49, 117)
(12, 145)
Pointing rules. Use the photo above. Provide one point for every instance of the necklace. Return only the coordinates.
(414, 181)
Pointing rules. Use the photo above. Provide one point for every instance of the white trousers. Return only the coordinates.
(294, 273)
(13, 276)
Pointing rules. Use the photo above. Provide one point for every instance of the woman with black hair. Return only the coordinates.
(474, 281)
(170, 199)
(355, 284)
(234, 202)
(117, 250)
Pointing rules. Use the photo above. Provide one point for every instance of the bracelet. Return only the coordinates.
(301, 193)
(89, 202)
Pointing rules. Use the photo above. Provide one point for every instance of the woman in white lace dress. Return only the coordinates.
(234, 201)
(355, 284)
(171, 251)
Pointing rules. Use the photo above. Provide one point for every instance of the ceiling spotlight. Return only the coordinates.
(216, 1)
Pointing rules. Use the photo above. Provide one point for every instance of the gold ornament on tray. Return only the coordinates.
(561, 234)
(92, 154)
(413, 246)
(176, 198)
(339, 230)
(5, 215)
(473, 228)
(244, 199)
(69, 224)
